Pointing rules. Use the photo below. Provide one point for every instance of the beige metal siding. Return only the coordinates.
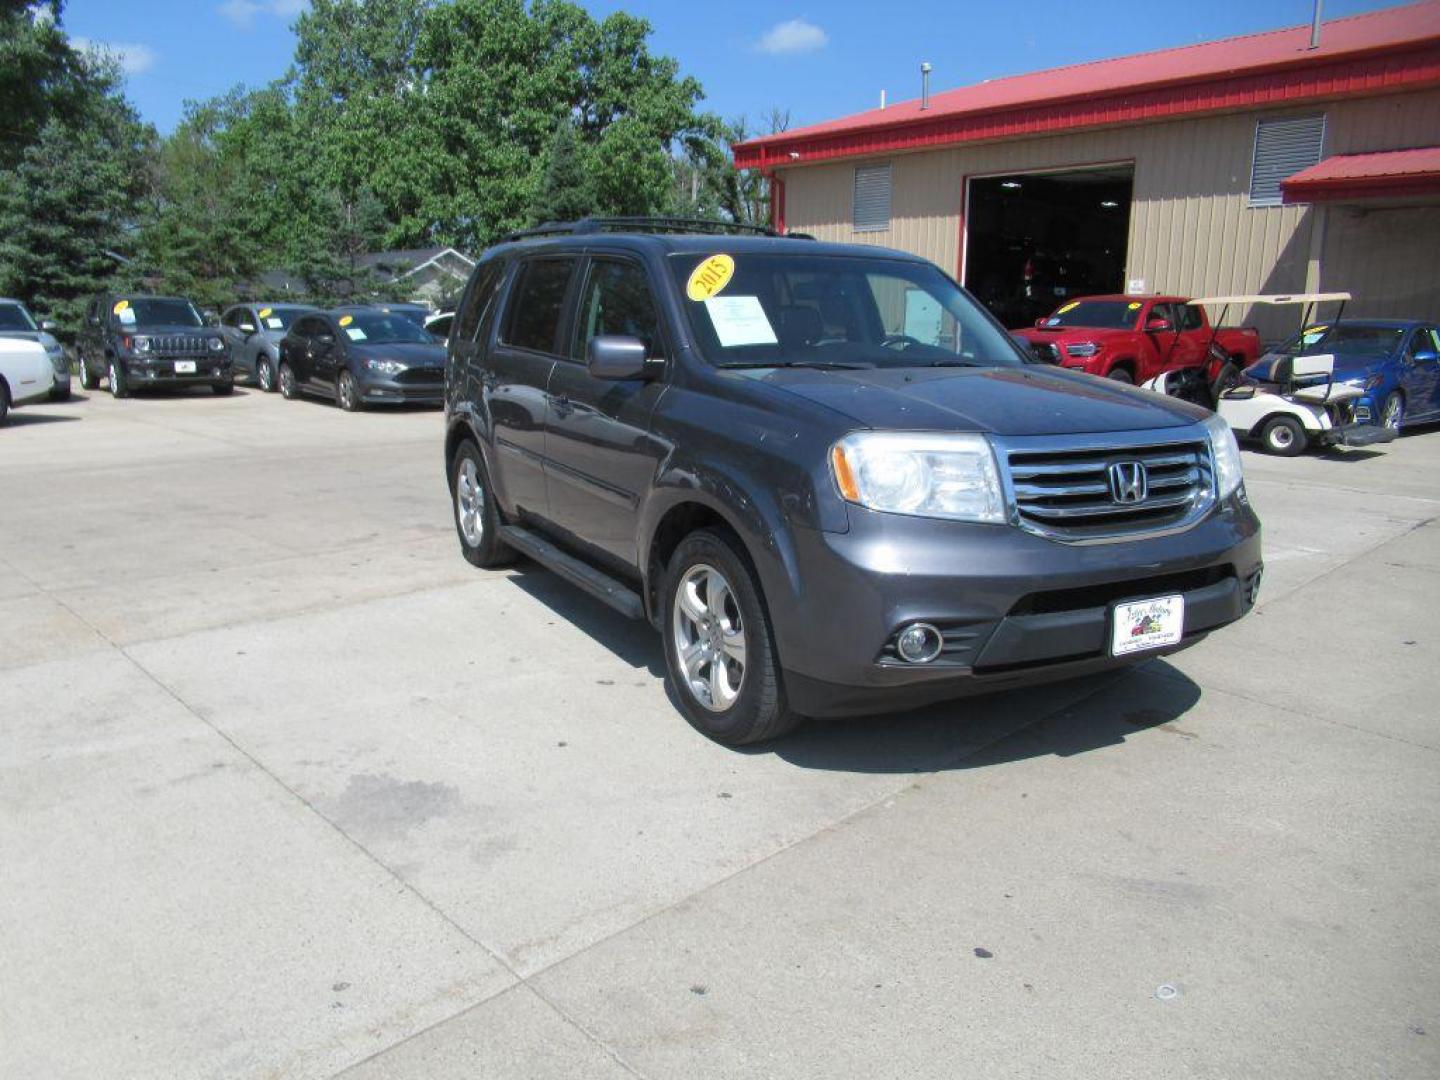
(1191, 230)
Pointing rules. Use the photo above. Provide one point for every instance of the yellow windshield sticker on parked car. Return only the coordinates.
(1134, 307)
(1071, 306)
(120, 305)
(710, 277)
(346, 320)
(265, 312)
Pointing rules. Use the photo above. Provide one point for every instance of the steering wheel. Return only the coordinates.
(902, 341)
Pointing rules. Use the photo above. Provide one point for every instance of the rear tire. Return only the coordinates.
(477, 519)
(88, 381)
(289, 388)
(719, 648)
(265, 375)
(116, 374)
(1284, 436)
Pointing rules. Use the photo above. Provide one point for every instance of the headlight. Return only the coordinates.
(217, 344)
(141, 344)
(385, 367)
(941, 476)
(1083, 348)
(1225, 451)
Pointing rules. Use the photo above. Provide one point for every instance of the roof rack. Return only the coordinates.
(702, 226)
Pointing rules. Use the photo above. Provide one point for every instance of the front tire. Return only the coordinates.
(88, 381)
(1121, 375)
(1284, 436)
(719, 648)
(4, 402)
(289, 388)
(265, 375)
(477, 519)
(347, 394)
(223, 389)
(116, 374)
(1392, 413)
(60, 393)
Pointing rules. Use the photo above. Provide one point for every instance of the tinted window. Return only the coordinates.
(479, 302)
(537, 302)
(1190, 317)
(381, 327)
(308, 327)
(14, 317)
(1097, 314)
(1420, 342)
(617, 300)
(152, 312)
(1345, 340)
(835, 311)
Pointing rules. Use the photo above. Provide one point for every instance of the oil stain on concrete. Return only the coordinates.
(383, 807)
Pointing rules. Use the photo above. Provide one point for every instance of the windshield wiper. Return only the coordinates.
(821, 365)
(955, 362)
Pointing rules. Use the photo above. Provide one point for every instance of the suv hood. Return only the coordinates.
(1031, 400)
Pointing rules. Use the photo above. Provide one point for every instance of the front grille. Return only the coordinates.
(1061, 485)
(421, 377)
(180, 345)
(1055, 601)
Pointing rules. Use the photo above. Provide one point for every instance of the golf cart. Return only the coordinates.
(1288, 403)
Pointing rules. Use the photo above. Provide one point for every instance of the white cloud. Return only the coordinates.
(793, 36)
(134, 59)
(243, 12)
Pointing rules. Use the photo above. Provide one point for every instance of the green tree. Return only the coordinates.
(566, 191)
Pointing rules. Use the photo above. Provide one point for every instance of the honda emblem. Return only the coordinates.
(1129, 483)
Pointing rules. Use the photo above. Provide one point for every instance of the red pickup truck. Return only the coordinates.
(1134, 338)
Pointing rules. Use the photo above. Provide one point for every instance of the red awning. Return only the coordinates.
(1392, 174)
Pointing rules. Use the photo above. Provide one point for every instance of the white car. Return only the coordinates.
(26, 373)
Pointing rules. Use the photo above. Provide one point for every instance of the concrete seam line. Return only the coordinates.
(1414, 528)
(495, 955)
(1289, 711)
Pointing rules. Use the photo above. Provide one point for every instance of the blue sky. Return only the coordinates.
(819, 60)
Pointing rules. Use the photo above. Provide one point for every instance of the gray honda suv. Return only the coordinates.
(825, 474)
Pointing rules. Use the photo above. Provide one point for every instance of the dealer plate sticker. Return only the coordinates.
(1147, 624)
(184, 367)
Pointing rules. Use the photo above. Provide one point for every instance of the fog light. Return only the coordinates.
(918, 643)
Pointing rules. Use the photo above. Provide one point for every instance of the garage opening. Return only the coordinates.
(1033, 239)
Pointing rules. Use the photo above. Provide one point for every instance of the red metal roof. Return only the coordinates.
(1394, 49)
(1390, 174)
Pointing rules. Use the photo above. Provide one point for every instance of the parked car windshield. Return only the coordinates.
(143, 311)
(824, 311)
(1096, 314)
(380, 328)
(15, 317)
(1345, 340)
(279, 318)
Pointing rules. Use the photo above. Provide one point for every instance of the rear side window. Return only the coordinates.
(538, 300)
(1189, 317)
(479, 302)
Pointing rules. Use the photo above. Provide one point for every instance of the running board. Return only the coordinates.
(599, 585)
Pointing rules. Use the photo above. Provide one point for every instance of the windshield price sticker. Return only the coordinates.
(1068, 307)
(740, 320)
(121, 306)
(274, 322)
(265, 312)
(710, 277)
(346, 320)
(356, 334)
(126, 314)
(1133, 306)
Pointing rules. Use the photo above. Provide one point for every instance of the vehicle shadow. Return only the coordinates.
(1061, 719)
(24, 418)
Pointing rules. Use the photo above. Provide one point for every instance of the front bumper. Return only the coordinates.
(415, 386)
(1013, 608)
(162, 371)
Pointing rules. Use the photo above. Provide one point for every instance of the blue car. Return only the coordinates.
(1395, 361)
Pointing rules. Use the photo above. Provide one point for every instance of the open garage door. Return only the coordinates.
(1033, 239)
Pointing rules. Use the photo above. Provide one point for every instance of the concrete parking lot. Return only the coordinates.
(288, 789)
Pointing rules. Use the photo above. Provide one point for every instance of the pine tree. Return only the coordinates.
(566, 191)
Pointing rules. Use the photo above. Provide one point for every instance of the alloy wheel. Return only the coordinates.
(1394, 414)
(470, 502)
(709, 636)
(265, 376)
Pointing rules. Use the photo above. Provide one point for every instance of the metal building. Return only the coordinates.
(1254, 164)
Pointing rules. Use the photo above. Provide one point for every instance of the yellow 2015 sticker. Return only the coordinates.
(1133, 306)
(120, 305)
(710, 277)
(1068, 307)
(265, 312)
(346, 320)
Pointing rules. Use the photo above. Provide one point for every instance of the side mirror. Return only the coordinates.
(1158, 325)
(1427, 356)
(615, 356)
(1040, 322)
(47, 325)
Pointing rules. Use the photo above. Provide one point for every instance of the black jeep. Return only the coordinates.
(829, 478)
(138, 342)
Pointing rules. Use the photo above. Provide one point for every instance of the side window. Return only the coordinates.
(537, 303)
(1190, 317)
(305, 327)
(617, 301)
(478, 302)
(1422, 340)
(245, 320)
(1162, 311)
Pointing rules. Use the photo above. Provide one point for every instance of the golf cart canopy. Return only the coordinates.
(1277, 299)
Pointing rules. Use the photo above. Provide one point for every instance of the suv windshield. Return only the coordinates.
(1344, 341)
(147, 311)
(1096, 314)
(379, 328)
(834, 312)
(15, 317)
